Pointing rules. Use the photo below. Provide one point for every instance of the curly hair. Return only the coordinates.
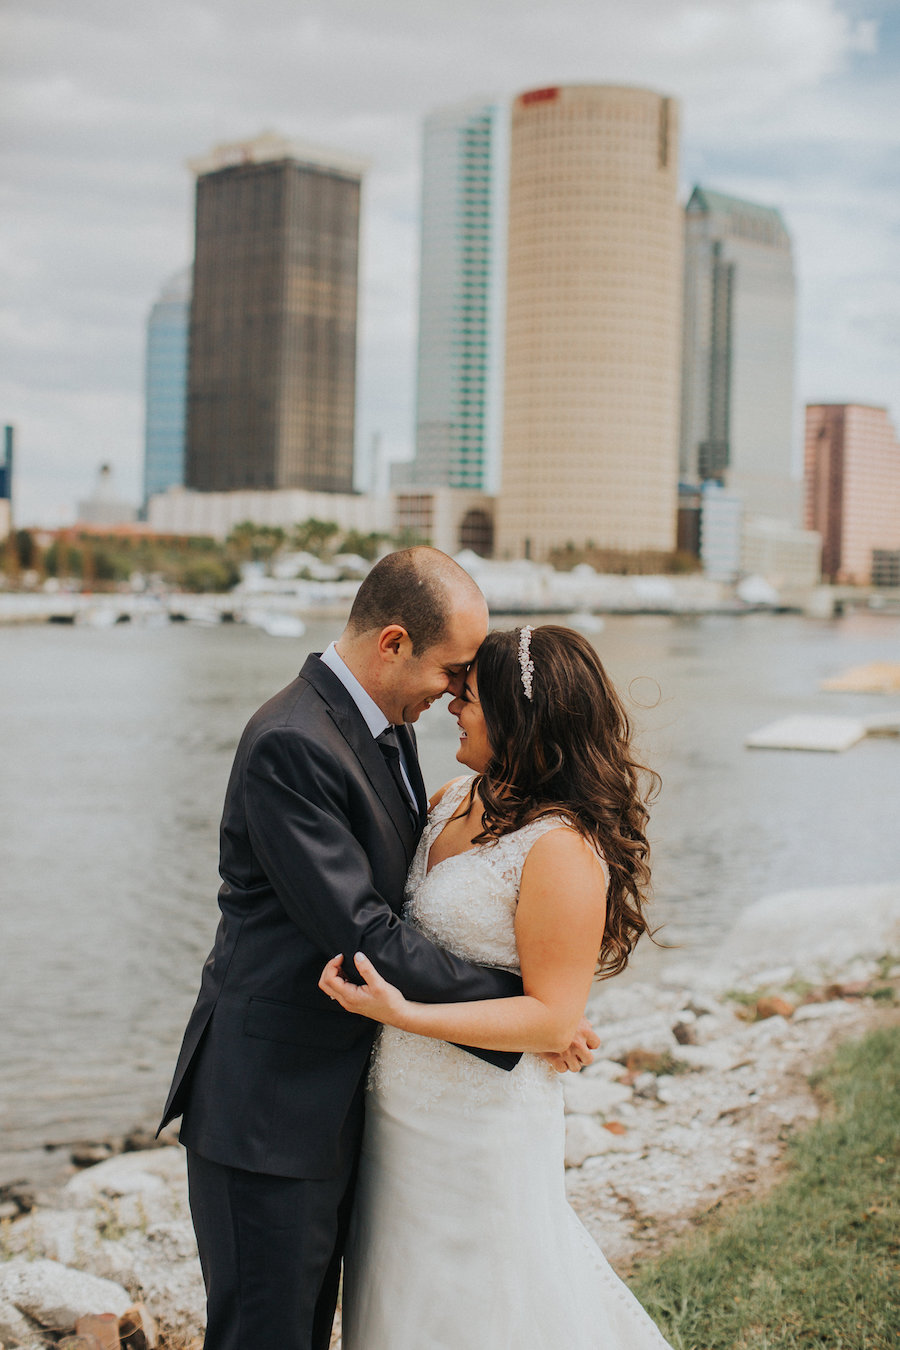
(566, 751)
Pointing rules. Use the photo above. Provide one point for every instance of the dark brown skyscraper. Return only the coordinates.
(272, 372)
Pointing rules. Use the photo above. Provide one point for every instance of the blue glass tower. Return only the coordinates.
(6, 464)
(166, 386)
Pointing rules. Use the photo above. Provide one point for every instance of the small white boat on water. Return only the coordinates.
(585, 621)
(276, 623)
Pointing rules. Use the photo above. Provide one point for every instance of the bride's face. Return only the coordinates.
(474, 747)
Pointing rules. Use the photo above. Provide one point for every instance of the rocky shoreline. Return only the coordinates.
(703, 1077)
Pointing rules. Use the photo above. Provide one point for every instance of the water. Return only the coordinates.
(116, 747)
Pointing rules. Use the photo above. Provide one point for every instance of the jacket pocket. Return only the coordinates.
(267, 1019)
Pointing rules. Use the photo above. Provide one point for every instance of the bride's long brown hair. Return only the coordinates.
(567, 751)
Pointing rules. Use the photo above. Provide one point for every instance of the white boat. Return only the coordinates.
(276, 623)
(585, 621)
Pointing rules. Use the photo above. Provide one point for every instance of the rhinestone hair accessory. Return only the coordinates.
(526, 665)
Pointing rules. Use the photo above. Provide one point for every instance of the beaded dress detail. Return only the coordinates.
(466, 904)
(462, 1237)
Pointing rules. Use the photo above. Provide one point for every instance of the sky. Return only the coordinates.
(791, 103)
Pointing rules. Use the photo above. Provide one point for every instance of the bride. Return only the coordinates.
(462, 1237)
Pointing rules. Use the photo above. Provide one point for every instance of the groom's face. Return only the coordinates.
(420, 680)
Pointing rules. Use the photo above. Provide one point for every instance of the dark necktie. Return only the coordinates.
(389, 746)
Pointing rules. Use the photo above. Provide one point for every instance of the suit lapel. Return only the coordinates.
(352, 726)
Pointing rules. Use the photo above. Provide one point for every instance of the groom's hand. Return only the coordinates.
(579, 1053)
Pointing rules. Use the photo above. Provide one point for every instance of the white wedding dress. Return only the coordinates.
(462, 1237)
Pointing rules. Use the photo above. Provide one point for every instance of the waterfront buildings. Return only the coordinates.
(461, 300)
(183, 511)
(272, 376)
(721, 518)
(594, 282)
(165, 385)
(852, 480)
(450, 519)
(737, 405)
(786, 556)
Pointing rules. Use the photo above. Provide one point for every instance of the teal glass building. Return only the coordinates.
(166, 386)
(461, 299)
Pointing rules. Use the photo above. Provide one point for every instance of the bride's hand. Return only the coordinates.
(376, 999)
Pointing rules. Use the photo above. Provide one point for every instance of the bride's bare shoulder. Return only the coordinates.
(463, 778)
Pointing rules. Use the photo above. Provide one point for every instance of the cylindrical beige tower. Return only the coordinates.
(593, 330)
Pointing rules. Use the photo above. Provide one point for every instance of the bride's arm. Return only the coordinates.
(559, 926)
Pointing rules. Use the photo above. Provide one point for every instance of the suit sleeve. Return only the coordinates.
(299, 830)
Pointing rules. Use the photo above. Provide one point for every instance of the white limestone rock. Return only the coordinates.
(667, 1089)
(593, 1096)
(165, 1265)
(756, 1035)
(68, 1236)
(651, 1031)
(149, 1174)
(15, 1327)
(586, 1139)
(602, 1068)
(827, 927)
(818, 1012)
(55, 1296)
(707, 1029)
(718, 1056)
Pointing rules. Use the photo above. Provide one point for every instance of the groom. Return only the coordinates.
(322, 815)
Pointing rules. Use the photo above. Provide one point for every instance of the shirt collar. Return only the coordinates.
(374, 718)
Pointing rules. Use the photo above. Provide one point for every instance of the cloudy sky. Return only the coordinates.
(793, 103)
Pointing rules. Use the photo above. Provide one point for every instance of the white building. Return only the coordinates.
(103, 507)
(461, 300)
(721, 518)
(788, 557)
(182, 511)
(450, 519)
(737, 409)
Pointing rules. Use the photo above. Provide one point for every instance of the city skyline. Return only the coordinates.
(783, 103)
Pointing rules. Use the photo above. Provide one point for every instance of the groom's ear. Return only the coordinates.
(394, 643)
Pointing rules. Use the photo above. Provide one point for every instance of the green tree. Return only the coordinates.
(209, 574)
(249, 542)
(27, 550)
(314, 536)
(368, 546)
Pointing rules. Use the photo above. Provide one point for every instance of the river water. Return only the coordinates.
(116, 746)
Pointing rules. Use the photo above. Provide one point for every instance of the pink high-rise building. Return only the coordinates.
(852, 482)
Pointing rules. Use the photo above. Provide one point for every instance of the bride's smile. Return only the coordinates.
(474, 747)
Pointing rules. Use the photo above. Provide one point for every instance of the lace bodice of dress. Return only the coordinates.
(466, 904)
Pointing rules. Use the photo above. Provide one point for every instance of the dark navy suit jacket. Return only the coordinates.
(316, 842)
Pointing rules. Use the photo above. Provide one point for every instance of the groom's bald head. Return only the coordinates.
(420, 589)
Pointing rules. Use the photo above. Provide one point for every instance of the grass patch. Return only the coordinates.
(814, 1265)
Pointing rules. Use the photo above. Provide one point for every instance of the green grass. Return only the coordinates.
(816, 1263)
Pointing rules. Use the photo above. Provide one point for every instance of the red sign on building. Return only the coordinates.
(540, 95)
